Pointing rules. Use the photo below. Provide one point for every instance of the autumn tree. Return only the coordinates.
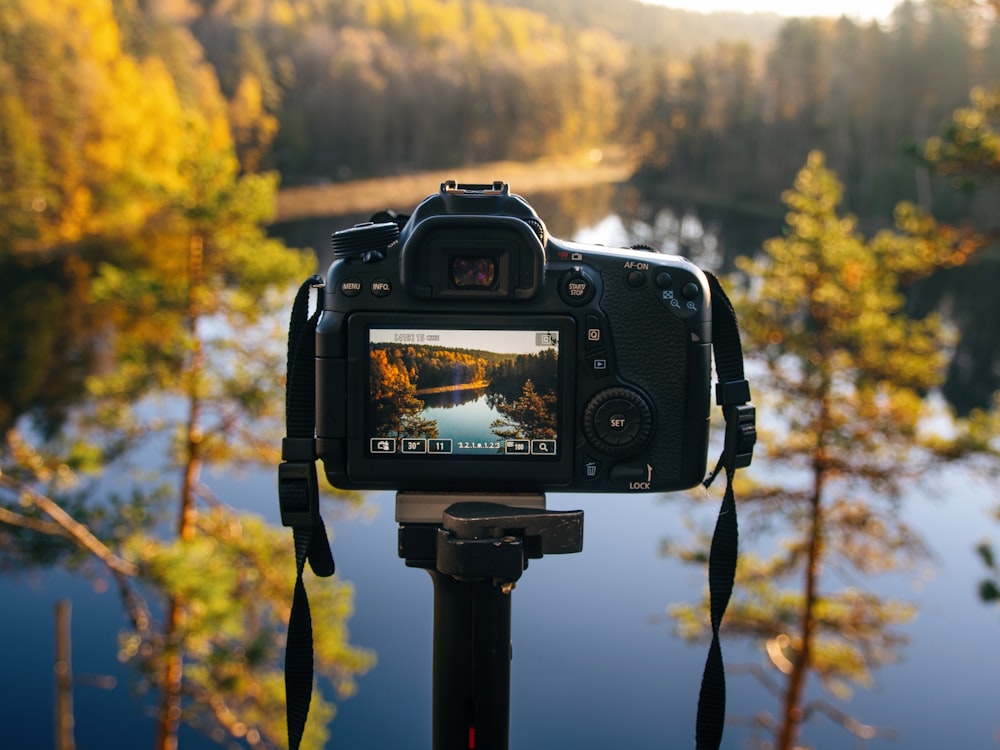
(396, 410)
(846, 373)
(968, 153)
(131, 172)
(533, 415)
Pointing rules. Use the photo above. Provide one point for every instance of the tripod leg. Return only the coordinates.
(472, 653)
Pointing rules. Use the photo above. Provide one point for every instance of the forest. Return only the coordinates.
(717, 108)
(521, 388)
(722, 111)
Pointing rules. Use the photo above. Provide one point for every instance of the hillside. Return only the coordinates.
(648, 25)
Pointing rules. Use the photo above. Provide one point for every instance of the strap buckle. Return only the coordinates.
(298, 493)
(741, 422)
(741, 435)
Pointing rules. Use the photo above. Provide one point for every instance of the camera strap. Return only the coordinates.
(298, 497)
(732, 393)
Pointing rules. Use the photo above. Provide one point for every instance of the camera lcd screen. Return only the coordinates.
(442, 392)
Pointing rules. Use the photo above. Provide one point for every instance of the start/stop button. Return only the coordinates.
(577, 287)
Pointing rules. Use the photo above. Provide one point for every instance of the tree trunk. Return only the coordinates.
(64, 678)
(169, 709)
(791, 716)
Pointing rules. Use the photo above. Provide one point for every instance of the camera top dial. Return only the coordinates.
(367, 241)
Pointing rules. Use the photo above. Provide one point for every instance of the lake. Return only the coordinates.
(595, 661)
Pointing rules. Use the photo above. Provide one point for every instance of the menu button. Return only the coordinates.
(350, 287)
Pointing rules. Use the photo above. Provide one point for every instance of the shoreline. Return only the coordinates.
(450, 388)
(595, 167)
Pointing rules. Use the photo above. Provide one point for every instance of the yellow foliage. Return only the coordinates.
(94, 29)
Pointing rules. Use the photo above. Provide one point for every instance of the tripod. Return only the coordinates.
(475, 548)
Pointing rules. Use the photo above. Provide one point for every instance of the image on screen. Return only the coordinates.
(449, 392)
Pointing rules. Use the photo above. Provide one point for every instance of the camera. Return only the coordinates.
(465, 349)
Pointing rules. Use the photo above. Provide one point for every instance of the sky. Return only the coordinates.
(856, 9)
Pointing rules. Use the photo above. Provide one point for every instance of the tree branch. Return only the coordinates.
(34, 524)
(66, 525)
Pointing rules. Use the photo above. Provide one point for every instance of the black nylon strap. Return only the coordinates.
(721, 575)
(298, 496)
(301, 382)
(298, 493)
(732, 393)
(299, 647)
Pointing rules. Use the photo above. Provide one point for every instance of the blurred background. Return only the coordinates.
(171, 170)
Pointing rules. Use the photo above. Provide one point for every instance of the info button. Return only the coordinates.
(381, 287)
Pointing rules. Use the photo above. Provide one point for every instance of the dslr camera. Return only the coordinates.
(466, 349)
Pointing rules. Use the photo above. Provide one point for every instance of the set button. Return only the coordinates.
(617, 421)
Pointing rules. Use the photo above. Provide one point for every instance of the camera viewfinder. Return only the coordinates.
(473, 272)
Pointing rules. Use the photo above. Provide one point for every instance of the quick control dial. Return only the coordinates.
(618, 421)
(367, 241)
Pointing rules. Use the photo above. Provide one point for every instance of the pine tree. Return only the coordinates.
(131, 172)
(846, 376)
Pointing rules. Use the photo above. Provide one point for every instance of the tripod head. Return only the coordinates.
(475, 548)
(480, 537)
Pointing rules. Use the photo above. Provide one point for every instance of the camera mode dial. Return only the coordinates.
(367, 241)
(618, 421)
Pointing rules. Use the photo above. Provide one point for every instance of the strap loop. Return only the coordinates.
(735, 392)
(298, 498)
(732, 393)
(298, 449)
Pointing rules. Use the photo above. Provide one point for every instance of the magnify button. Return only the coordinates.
(543, 447)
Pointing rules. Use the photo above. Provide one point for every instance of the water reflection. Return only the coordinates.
(624, 215)
(451, 398)
(49, 338)
(665, 231)
(596, 668)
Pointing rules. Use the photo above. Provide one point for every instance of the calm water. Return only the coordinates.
(595, 665)
(595, 662)
(465, 420)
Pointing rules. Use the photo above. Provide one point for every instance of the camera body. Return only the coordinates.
(469, 351)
